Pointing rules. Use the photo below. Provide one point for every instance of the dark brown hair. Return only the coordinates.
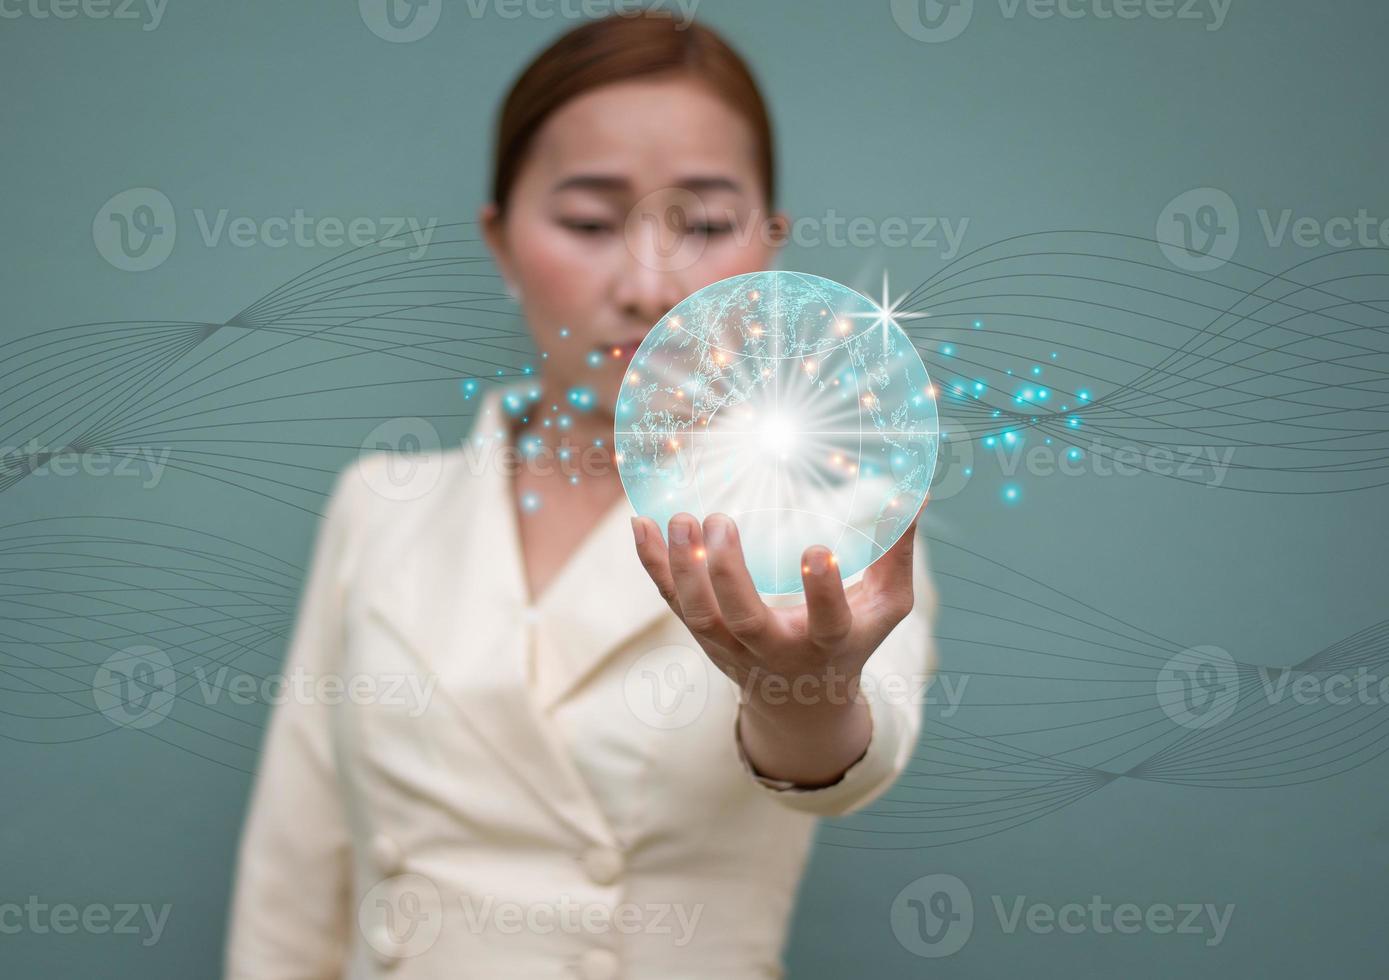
(618, 48)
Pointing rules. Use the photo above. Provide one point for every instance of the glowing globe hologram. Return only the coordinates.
(793, 404)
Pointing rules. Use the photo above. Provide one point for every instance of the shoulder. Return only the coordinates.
(398, 483)
(393, 492)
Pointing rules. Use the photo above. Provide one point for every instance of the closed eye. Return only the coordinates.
(588, 226)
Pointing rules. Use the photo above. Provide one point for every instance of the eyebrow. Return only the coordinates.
(605, 182)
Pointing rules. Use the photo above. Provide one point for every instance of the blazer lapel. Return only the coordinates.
(457, 595)
(600, 600)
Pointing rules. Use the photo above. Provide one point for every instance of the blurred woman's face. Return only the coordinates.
(632, 197)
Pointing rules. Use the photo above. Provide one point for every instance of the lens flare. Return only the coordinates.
(793, 404)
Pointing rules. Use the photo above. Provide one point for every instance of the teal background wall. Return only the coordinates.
(1056, 775)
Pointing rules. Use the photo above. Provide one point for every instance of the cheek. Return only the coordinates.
(561, 281)
(725, 257)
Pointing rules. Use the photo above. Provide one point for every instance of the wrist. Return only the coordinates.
(804, 699)
(809, 748)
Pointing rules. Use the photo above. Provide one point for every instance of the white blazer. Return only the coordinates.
(482, 788)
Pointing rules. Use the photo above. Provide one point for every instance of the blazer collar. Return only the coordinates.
(457, 593)
(599, 599)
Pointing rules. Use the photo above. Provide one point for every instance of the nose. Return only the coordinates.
(650, 280)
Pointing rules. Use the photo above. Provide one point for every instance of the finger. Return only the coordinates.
(744, 613)
(651, 550)
(827, 612)
(699, 607)
(888, 581)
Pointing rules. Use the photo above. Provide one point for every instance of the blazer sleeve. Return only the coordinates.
(290, 910)
(894, 684)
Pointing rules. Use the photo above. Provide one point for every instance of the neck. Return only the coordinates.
(572, 440)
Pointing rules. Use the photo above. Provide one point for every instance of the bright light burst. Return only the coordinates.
(790, 402)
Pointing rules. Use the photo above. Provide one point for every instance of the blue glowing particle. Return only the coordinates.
(1011, 494)
(582, 398)
(791, 403)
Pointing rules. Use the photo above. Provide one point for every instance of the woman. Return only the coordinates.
(617, 752)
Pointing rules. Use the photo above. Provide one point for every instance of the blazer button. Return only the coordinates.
(386, 854)
(598, 964)
(603, 865)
